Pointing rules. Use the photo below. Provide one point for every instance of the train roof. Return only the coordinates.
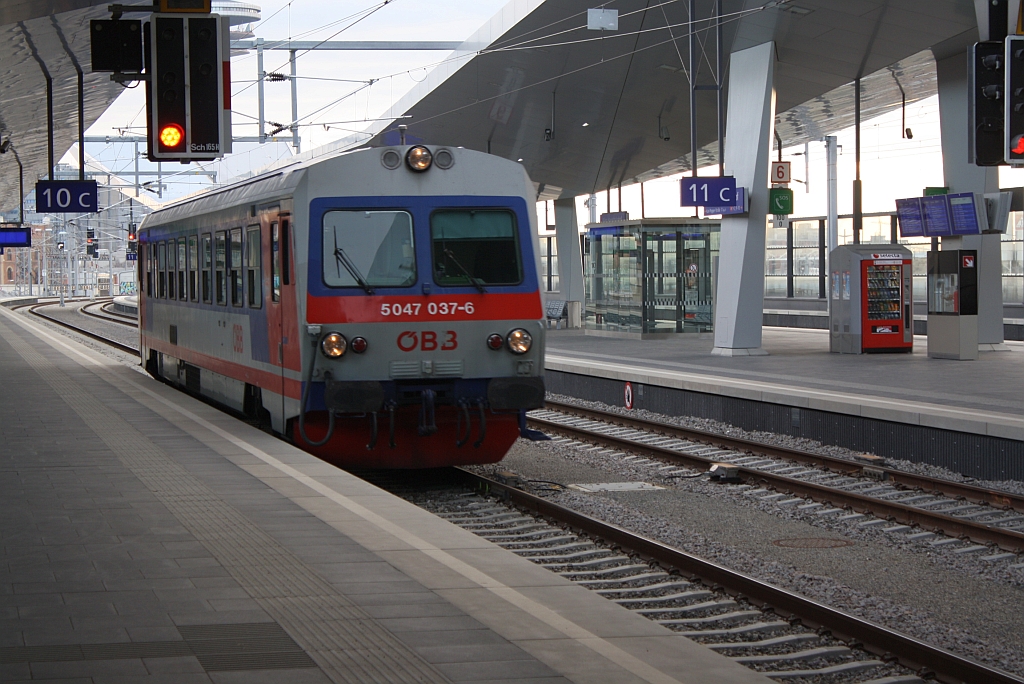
(283, 180)
(277, 182)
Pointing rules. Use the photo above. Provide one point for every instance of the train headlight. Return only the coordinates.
(519, 341)
(359, 344)
(495, 341)
(419, 158)
(334, 345)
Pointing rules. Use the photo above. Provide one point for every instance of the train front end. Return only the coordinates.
(423, 315)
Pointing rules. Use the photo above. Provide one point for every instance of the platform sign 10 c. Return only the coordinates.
(66, 197)
(188, 94)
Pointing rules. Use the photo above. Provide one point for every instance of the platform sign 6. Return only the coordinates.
(782, 172)
(66, 197)
(705, 192)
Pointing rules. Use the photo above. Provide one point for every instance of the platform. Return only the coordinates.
(905, 405)
(150, 537)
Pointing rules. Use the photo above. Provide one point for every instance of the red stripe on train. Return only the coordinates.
(254, 376)
(424, 308)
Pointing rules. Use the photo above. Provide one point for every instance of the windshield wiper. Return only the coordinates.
(343, 259)
(465, 271)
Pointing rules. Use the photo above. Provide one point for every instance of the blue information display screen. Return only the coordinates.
(935, 211)
(909, 213)
(15, 237)
(964, 212)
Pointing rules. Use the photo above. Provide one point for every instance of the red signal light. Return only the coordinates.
(172, 135)
(1017, 146)
(495, 341)
(358, 344)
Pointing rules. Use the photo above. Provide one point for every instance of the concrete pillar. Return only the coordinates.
(570, 260)
(748, 135)
(963, 176)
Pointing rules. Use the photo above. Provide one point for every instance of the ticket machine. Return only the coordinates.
(871, 292)
(953, 304)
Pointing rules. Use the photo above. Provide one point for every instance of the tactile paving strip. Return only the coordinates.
(344, 640)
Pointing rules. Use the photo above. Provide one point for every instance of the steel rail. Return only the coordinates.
(892, 510)
(82, 331)
(106, 310)
(106, 316)
(889, 644)
(969, 492)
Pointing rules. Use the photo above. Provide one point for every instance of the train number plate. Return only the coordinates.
(443, 308)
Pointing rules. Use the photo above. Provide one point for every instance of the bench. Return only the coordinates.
(557, 311)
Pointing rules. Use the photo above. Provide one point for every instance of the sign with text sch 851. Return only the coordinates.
(708, 191)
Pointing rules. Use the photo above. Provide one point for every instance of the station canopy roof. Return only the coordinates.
(53, 35)
(536, 67)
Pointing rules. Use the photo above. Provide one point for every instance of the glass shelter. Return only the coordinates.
(650, 277)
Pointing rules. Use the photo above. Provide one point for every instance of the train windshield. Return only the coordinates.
(368, 249)
(475, 247)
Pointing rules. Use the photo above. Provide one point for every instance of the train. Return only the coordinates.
(380, 308)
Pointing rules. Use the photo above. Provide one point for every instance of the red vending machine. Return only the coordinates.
(887, 306)
(872, 299)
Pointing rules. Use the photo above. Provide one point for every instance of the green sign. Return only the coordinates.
(780, 201)
(931, 192)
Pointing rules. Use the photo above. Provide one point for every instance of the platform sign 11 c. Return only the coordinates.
(708, 192)
(66, 197)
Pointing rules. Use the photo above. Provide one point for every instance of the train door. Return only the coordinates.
(270, 224)
(280, 307)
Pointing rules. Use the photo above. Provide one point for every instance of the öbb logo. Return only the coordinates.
(427, 341)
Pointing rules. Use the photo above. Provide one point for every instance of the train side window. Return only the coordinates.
(193, 261)
(172, 258)
(207, 266)
(253, 275)
(275, 260)
(235, 267)
(182, 269)
(286, 274)
(161, 265)
(220, 262)
(149, 253)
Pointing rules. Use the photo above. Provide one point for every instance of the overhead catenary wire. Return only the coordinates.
(363, 14)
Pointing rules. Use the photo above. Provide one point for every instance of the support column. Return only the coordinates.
(570, 260)
(749, 130)
(963, 176)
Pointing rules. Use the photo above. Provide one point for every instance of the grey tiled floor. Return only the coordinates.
(802, 358)
(91, 556)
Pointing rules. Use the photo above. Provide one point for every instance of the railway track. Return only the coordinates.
(35, 309)
(777, 632)
(839, 487)
(101, 311)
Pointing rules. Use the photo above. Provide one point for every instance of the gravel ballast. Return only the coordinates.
(958, 603)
